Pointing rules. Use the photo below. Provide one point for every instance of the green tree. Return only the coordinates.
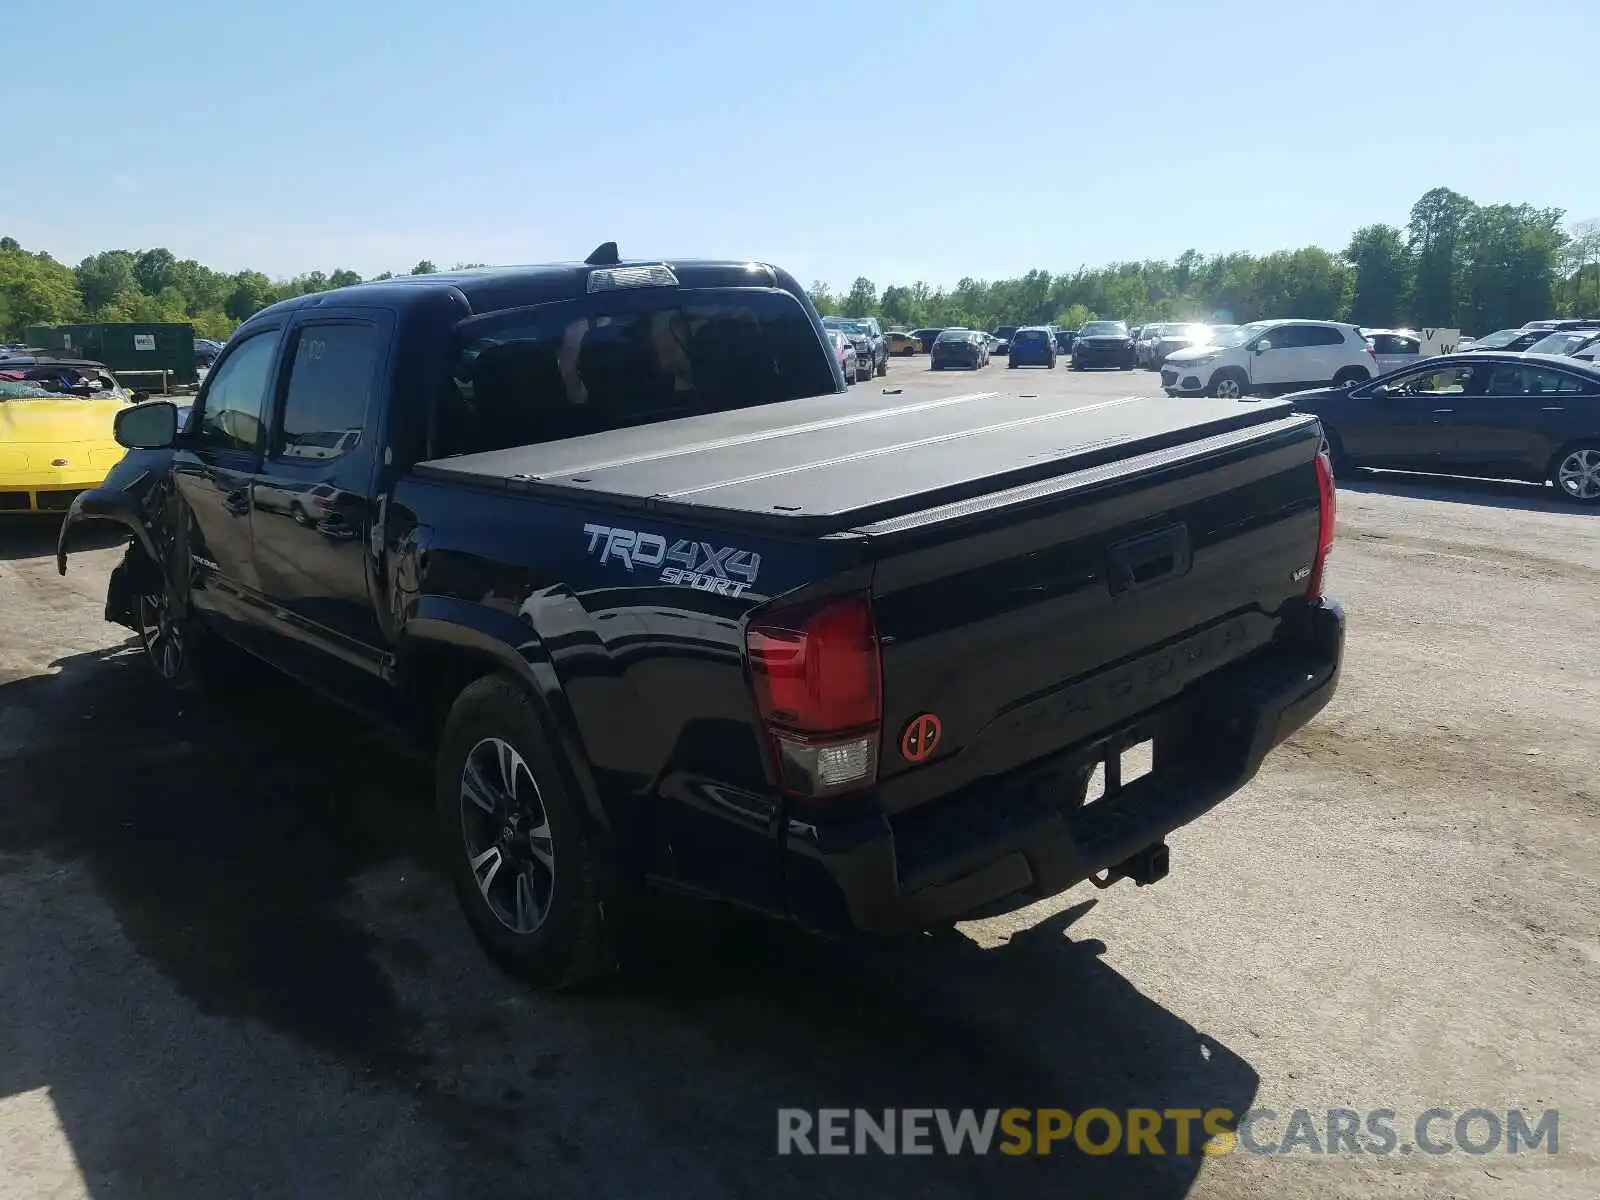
(252, 291)
(1509, 256)
(204, 290)
(1074, 316)
(425, 267)
(342, 278)
(102, 277)
(822, 299)
(862, 300)
(1434, 238)
(156, 269)
(1381, 292)
(895, 307)
(35, 290)
(1580, 269)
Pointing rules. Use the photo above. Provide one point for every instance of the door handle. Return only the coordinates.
(1554, 408)
(1444, 410)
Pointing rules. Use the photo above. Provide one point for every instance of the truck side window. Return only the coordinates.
(235, 395)
(330, 383)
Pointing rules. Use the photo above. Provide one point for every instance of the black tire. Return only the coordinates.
(883, 367)
(1336, 452)
(181, 652)
(567, 943)
(1575, 472)
(1350, 376)
(1228, 384)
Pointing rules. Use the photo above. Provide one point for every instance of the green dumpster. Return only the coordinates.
(146, 356)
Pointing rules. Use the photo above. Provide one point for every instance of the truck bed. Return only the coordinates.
(832, 463)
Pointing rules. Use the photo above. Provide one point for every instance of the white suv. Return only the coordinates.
(1269, 357)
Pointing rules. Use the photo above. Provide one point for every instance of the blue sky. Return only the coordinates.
(897, 141)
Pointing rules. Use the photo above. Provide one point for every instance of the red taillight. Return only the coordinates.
(1327, 512)
(818, 684)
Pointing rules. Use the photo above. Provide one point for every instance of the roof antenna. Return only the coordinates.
(605, 255)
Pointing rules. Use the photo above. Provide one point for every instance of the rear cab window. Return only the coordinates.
(577, 367)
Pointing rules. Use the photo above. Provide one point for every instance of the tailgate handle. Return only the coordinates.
(1150, 558)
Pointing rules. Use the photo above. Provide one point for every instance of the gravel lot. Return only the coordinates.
(228, 965)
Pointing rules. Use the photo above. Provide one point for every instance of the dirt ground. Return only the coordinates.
(229, 966)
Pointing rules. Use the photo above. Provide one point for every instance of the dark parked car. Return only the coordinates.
(960, 348)
(1508, 340)
(1569, 323)
(872, 352)
(1103, 344)
(1002, 338)
(609, 545)
(1033, 346)
(1168, 337)
(1064, 340)
(1490, 413)
(206, 351)
(1562, 341)
(927, 338)
(1588, 351)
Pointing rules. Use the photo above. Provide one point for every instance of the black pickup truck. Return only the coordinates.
(668, 607)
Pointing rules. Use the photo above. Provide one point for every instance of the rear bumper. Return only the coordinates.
(1023, 836)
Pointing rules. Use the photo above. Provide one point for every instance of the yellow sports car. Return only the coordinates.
(902, 344)
(55, 430)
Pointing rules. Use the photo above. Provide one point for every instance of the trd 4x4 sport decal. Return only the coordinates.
(725, 570)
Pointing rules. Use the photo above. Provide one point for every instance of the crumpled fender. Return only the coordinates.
(122, 503)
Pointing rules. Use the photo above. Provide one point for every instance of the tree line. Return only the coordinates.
(1456, 264)
(146, 286)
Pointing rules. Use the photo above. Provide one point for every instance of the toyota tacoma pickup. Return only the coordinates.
(668, 608)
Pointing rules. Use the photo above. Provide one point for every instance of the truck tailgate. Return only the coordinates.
(1035, 618)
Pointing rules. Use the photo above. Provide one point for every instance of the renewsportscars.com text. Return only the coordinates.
(1177, 1131)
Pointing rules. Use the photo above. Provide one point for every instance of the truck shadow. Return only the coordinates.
(34, 535)
(266, 863)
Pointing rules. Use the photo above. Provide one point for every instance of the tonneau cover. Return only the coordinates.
(831, 463)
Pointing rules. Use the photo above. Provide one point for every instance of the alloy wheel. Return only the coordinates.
(161, 634)
(1579, 474)
(507, 834)
(1227, 388)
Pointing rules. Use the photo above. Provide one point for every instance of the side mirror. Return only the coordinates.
(1263, 347)
(152, 425)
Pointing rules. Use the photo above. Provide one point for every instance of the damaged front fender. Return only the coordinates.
(125, 498)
